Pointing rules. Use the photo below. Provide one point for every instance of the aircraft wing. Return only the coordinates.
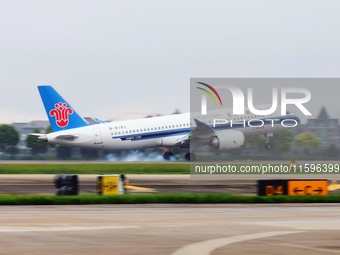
(200, 136)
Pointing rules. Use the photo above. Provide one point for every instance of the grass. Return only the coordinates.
(134, 168)
(162, 198)
(95, 168)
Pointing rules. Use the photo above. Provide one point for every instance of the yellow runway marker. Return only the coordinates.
(333, 186)
(138, 188)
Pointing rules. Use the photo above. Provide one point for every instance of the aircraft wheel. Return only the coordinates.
(168, 155)
(190, 156)
(268, 146)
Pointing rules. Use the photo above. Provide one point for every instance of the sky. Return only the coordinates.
(125, 59)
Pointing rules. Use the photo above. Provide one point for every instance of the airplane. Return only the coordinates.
(178, 130)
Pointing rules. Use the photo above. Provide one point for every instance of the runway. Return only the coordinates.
(170, 229)
(234, 184)
(44, 184)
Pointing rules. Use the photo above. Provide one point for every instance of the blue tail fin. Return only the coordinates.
(60, 113)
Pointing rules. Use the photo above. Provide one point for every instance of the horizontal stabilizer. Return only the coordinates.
(41, 137)
(66, 137)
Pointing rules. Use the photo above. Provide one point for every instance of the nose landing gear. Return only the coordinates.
(267, 144)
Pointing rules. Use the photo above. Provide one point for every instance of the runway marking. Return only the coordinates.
(66, 228)
(206, 247)
(138, 188)
(334, 186)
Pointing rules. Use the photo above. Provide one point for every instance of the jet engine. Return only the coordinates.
(226, 140)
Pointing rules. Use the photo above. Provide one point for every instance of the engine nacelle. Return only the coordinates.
(227, 140)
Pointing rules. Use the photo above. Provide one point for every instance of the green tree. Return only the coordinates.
(36, 145)
(9, 138)
(255, 142)
(48, 129)
(307, 140)
(282, 140)
(12, 150)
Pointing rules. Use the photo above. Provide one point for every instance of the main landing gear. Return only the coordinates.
(188, 156)
(267, 144)
(168, 155)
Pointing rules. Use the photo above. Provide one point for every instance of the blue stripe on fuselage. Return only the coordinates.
(152, 135)
(226, 126)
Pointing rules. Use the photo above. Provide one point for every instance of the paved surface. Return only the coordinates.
(170, 229)
(240, 184)
(44, 184)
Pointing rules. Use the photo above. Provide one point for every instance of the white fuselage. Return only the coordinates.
(164, 131)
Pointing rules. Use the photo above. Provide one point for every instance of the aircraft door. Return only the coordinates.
(98, 139)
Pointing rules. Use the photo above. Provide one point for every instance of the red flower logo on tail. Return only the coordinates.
(61, 113)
